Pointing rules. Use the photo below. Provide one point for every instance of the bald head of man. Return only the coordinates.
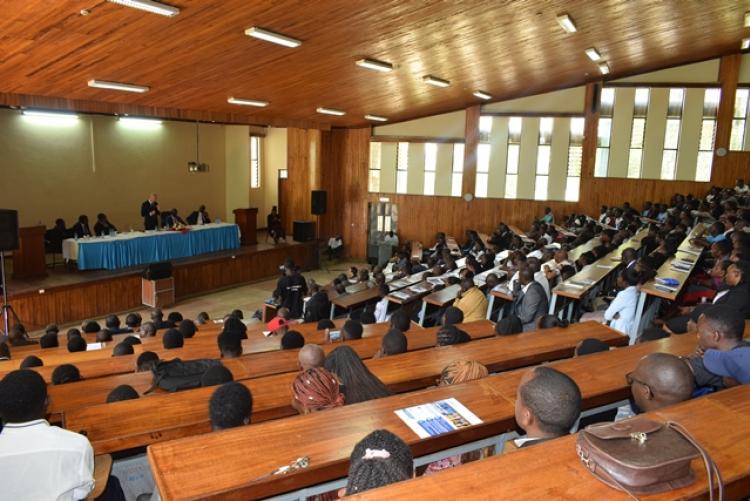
(310, 356)
(659, 380)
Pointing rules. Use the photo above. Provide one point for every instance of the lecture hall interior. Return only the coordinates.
(307, 250)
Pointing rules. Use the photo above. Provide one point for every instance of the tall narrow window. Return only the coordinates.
(543, 155)
(575, 156)
(672, 134)
(637, 132)
(708, 134)
(515, 124)
(483, 157)
(457, 170)
(739, 120)
(606, 109)
(430, 168)
(373, 180)
(254, 162)
(402, 166)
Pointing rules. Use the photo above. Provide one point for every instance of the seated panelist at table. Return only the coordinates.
(103, 226)
(199, 216)
(150, 212)
(81, 228)
(171, 219)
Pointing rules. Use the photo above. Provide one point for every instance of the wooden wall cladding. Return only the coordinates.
(304, 168)
(94, 299)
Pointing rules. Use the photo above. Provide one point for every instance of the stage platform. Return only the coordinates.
(71, 296)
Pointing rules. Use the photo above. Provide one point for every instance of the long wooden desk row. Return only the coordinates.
(233, 464)
(179, 412)
(553, 470)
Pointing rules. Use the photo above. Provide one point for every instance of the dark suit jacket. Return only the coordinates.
(150, 222)
(531, 305)
(101, 229)
(80, 230)
(318, 307)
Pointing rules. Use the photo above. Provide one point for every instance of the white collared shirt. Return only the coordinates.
(624, 303)
(39, 461)
(381, 310)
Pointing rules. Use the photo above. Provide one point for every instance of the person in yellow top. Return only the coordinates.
(471, 301)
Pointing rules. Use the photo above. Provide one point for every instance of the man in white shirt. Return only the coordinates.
(334, 246)
(39, 461)
(390, 238)
(381, 307)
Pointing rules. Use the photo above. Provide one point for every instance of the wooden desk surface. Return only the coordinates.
(521, 234)
(443, 296)
(552, 469)
(685, 251)
(579, 250)
(328, 437)
(411, 293)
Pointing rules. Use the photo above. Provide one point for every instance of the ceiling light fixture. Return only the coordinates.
(437, 82)
(376, 118)
(482, 95)
(50, 117)
(593, 54)
(566, 23)
(139, 123)
(745, 44)
(101, 84)
(330, 111)
(149, 6)
(247, 102)
(270, 36)
(604, 68)
(374, 64)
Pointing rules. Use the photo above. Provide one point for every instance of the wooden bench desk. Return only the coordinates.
(183, 469)
(553, 470)
(521, 234)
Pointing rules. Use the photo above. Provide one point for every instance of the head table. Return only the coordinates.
(136, 247)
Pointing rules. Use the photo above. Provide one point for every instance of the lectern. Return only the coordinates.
(245, 219)
(29, 258)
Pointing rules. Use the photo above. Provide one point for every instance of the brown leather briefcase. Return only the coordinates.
(641, 456)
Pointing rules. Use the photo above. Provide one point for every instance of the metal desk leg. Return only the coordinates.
(552, 304)
(571, 305)
(422, 312)
(490, 306)
(639, 313)
(333, 310)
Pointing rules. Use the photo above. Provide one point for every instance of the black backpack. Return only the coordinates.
(176, 375)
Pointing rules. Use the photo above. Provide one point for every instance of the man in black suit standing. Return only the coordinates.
(150, 212)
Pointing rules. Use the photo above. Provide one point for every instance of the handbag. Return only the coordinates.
(641, 456)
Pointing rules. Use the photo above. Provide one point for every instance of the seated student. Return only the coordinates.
(172, 339)
(325, 323)
(49, 340)
(72, 333)
(202, 318)
(81, 228)
(381, 307)
(104, 336)
(368, 316)
(133, 321)
(659, 380)
(400, 320)
(131, 340)
(310, 356)
(216, 375)
(471, 301)
(199, 216)
(450, 334)
(550, 322)
(230, 406)
(318, 306)
(548, 404)
(530, 301)
(720, 333)
(146, 361)
(76, 344)
(122, 349)
(31, 361)
(230, 344)
(548, 217)
(393, 343)
(359, 384)
(508, 326)
(187, 328)
(63, 459)
(452, 316)
(292, 340)
(316, 389)
(148, 329)
(19, 337)
(121, 393)
(379, 459)
(351, 330)
(112, 323)
(233, 324)
(103, 226)
(157, 317)
(588, 346)
(335, 246)
(391, 239)
(65, 373)
(715, 234)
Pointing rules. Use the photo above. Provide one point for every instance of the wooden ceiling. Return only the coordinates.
(199, 58)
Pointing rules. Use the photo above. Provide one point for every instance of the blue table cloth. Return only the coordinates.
(132, 249)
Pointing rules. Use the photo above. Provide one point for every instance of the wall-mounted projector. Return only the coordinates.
(197, 167)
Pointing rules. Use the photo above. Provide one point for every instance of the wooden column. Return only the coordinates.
(471, 135)
(586, 198)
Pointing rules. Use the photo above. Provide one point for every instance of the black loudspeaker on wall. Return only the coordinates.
(8, 230)
(318, 200)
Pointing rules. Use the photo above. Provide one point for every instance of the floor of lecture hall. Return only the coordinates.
(247, 298)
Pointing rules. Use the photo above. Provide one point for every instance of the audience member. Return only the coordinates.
(400, 321)
(49, 340)
(359, 384)
(352, 330)
(187, 328)
(133, 321)
(462, 371)
(216, 375)
(173, 339)
(72, 333)
(316, 389)
(148, 329)
(530, 301)
(325, 323)
(318, 306)
(310, 356)
(379, 459)
(292, 288)
(122, 392)
(588, 346)
(122, 349)
(509, 325)
(31, 361)
(452, 316)
(76, 344)
(112, 322)
(471, 301)
(292, 340)
(393, 343)
(104, 336)
(659, 380)
(175, 318)
(230, 344)
(146, 361)
(157, 317)
(202, 318)
(230, 406)
(450, 334)
(65, 373)
(19, 337)
(90, 327)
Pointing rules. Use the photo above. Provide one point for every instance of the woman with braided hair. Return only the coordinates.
(379, 459)
(316, 389)
(358, 383)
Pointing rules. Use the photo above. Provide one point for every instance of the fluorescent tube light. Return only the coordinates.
(437, 82)
(101, 84)
(270, 36)
(374, 64)
(376, 118)
(140, 123)
(50, 117)
(247, 102)
(149, 6)
(482, 95)
(593, 54)
(566, 23)
(331, 111)
(604, 68)
(747, 19)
